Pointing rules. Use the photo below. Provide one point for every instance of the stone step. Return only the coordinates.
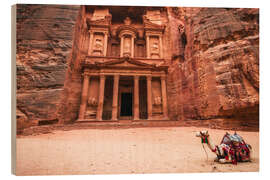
(35, 130)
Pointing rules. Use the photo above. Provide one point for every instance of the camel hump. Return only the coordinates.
(228, 138)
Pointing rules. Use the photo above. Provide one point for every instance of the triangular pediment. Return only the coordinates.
(126, 62)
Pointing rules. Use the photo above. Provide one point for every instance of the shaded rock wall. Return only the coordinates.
(44, 41)
(68, 109)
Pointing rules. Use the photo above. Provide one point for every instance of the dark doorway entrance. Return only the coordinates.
(126, 104)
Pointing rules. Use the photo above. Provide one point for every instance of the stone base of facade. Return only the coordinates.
(123, 120)
(129, 123)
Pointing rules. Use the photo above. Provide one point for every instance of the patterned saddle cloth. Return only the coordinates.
(238, 149)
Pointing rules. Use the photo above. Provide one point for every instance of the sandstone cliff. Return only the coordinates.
(217, 74)
(44, 41)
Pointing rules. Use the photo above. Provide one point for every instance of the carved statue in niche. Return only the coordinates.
(98, 45)
(92, 101)
(127, 46)
(154, 47)
(127, 21)
(157, 100)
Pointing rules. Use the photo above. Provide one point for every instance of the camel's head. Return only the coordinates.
(203, 135)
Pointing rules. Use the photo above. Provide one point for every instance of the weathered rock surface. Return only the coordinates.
(218, 76)
(44, 41)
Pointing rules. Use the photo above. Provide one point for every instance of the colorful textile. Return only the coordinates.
(238, 149)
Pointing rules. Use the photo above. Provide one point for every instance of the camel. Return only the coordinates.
(232, 149)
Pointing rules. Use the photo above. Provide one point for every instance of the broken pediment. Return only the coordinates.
(152, 26)
(100, 17)
(100, 22)
(100, 14)
(154, 16)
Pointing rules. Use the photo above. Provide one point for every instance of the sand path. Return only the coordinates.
(118, 151)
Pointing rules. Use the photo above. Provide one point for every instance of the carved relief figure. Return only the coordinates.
(127, 46)
(98, 45)
(92, 101)
(157, 100)
(127, 21)
(154, 47)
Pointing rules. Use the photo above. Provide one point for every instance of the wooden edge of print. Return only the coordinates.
(13, 89)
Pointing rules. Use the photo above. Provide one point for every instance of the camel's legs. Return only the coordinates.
(225, 161)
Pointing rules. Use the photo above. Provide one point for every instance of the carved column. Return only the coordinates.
(90, 43)
(132, 46)
(115, 96)
(148, 46)
(149, 96)
(85, 43)
(101, 97)
(105, 43)
(160, 47)
(136, 98)
(84, 96)
(122, 46)
(164, 97)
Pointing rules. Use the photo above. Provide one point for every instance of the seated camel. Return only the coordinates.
(232, 148)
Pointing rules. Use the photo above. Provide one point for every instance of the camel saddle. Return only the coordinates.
(238, 149)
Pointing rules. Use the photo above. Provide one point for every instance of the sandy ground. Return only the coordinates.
(118, 151)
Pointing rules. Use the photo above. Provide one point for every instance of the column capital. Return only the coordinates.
(85, 74)
(163, 77)
(121, 36)
(148, 34)
(149, 77)
(133, 36)
(136, 77)
(102, 76)
(116, 75)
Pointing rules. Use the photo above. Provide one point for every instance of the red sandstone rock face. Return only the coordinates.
(214, 63)
(219, 74)
(44, 41)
